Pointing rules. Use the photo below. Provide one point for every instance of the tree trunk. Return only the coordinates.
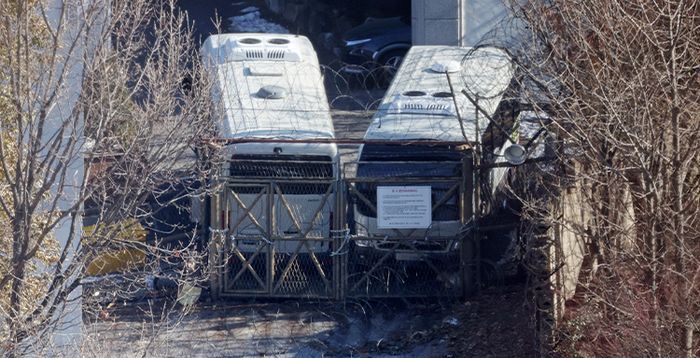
(18, 272)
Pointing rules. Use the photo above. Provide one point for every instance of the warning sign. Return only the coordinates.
(403, 207)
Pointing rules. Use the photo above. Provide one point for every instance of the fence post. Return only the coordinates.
(214, 245)
(272, 231)
(340, 223)
(466, 252)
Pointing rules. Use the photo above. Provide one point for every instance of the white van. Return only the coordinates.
(270, 87)
(419, 107)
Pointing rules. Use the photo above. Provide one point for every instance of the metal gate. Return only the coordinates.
(408, 262)
(274, 238)
(297, 237)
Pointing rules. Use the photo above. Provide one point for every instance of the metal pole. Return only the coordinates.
(271, 227)
(214, 246)
(477, 196)
(340, 260)
(335, 225)
(217, 142)
(466, 213)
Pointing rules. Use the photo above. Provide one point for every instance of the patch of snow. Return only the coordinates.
(529, 129)
(249, 9)
(451, 320)
(253, 22)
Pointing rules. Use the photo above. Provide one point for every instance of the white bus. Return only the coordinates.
(270, 87)
(416, 133)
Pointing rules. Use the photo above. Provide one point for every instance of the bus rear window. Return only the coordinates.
(404, 161)
(409, 153)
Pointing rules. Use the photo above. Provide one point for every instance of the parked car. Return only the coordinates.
(377, 43)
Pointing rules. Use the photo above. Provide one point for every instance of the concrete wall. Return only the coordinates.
(437, 22)
(479, 17)
(454, 22)
(78, 46)
(569, 248)
(558, 252)
(555, 259)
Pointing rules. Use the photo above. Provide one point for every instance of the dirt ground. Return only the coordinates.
(493, 324)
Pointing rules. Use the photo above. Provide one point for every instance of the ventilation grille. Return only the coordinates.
(271, 54)
(275, 54)
(254, 54)
(437, 107)
(254, 49)
(426, 107)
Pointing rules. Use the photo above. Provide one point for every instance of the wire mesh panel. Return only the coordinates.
(308, 275)
(247, 272)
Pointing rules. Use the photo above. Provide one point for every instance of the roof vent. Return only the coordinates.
(249, 41)
(442, 95)
(272, 92)
(414, 93)
(446, 67)
(430, 107)
(412, 106)
(278, 41)
(261, 48)
(254, 54)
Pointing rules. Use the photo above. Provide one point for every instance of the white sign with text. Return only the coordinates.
(404, 207)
